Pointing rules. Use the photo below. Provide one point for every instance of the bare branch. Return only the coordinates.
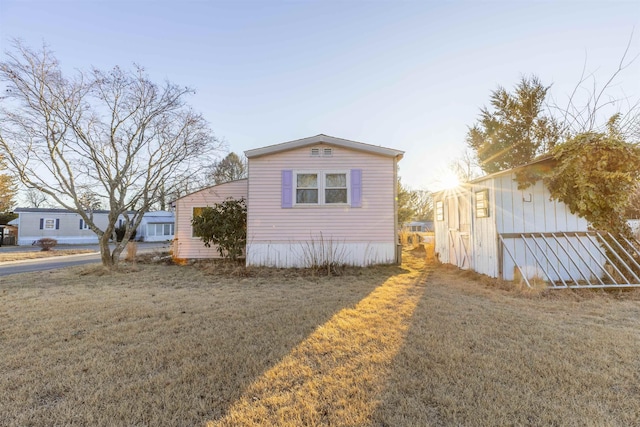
(112, 137)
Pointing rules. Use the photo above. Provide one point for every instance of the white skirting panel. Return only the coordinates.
(307, 254)
(89, 240)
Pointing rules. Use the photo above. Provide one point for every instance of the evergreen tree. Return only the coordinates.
(516, 129)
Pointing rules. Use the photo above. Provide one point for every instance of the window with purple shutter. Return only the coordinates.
(287, 188)
(356, 188)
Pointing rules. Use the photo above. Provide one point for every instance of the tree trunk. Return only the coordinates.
(105, 252)
(115, 255)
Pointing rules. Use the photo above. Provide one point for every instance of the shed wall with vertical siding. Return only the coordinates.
(513, 211)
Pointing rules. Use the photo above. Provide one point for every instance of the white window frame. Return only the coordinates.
(85, 226)
(154, 226)
(47, 221)
(439, 210)
(322, 174)
(482, 204)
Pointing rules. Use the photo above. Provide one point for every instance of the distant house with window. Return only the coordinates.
(68, 227)
(314, 199)
(156, 226)
(418, 227)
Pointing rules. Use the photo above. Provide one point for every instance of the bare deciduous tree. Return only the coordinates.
(590, 106)
(89, 200)
(231, 168)
(422, 201)
(116, 133)
(35, 198)
(466, 167)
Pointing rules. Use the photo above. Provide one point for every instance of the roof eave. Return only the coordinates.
(304, 142)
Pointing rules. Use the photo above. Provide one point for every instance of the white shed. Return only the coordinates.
(492, 227)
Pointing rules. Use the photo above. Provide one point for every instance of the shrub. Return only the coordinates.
(120, 233)
(46, 243)
(324, 255)
(224, 225)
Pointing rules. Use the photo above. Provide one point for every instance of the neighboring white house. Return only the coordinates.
(492, 227)
(418, 226)
(157, 226)
(69, 228)
(317, 199)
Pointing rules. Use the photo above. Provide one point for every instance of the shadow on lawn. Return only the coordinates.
(159, 345)
(272, 326)
(333, 375)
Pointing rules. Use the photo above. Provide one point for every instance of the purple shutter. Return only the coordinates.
(41, 223)
(287, 188)
(356, 188)
(57, 223)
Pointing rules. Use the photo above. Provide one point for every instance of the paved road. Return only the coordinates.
(53, 263)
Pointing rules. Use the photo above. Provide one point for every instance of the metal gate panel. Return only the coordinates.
(574, 259)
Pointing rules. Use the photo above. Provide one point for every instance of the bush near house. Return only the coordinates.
(120, 233)
(224, 225)
(46, 243)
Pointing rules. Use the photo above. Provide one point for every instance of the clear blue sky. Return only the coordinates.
(409, 75)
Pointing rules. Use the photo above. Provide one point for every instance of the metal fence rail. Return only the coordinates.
(591, 259)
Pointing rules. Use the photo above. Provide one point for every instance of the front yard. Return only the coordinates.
(411, 345)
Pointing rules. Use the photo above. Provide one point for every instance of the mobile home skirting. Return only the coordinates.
(302, 254)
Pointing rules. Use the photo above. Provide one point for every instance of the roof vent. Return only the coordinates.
(315, 151)
(326, 152)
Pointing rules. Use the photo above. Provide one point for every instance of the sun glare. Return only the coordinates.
(449, 180)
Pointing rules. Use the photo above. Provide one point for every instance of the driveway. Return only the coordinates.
(53, 263)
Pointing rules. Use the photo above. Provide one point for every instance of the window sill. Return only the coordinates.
(327, 205)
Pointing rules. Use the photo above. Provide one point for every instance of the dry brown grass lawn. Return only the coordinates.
(21, 256)
(386, 346)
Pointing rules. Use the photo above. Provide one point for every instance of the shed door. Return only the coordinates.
(459, 220)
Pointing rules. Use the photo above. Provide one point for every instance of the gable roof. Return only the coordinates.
(312, 140)
(210, 187)
(54, 210)
(545, 161)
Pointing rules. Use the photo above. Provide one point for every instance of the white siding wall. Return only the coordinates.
(277, 236)
(187, 246)
(68, 233)
(532, 210)
(515, 211)
(441, 229)
(484, 236)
